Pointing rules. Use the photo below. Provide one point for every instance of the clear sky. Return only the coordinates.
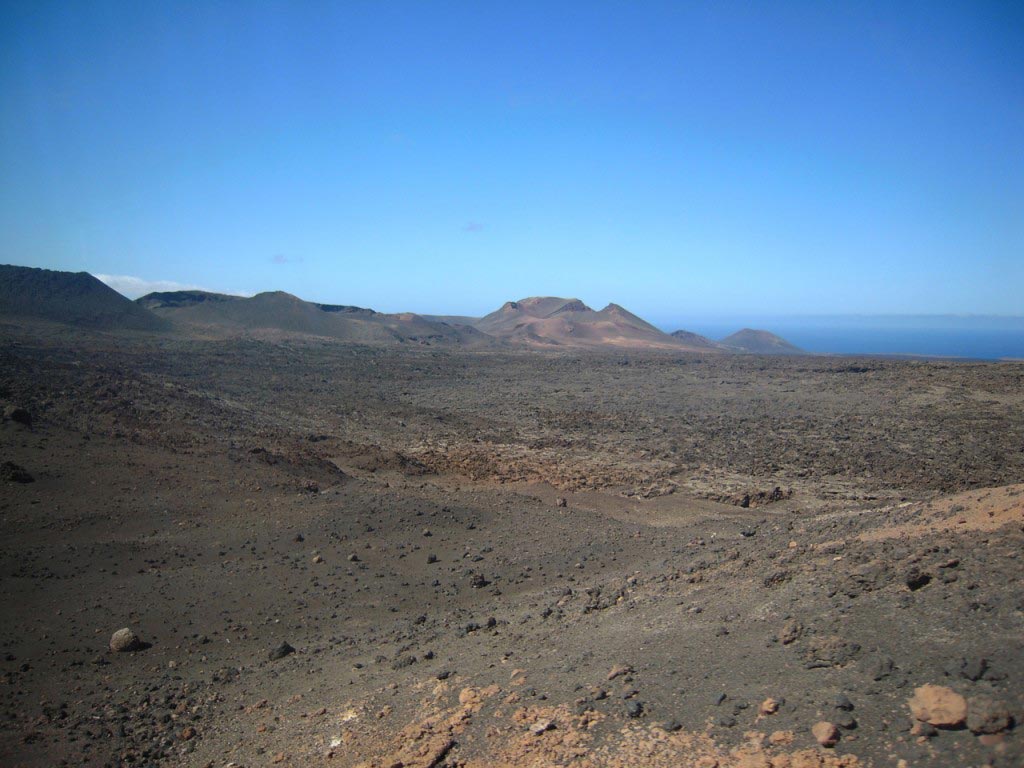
(677, 158)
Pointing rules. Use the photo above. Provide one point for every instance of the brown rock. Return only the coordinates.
(939, 706)
(826, 733)
(769, 706)
(619, 670)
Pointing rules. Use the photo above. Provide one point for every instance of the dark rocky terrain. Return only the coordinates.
(332, 554)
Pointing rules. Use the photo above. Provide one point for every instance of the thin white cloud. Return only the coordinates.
(133, 287)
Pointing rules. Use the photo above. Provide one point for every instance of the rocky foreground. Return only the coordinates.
(279, 553)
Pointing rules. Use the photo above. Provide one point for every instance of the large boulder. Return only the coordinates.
(125, 641)
(939, 706)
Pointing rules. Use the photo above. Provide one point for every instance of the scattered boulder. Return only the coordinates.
(916, 578)
(974, 668)
(769, 706)
(18, 415)
(541, 726)
(830, 651)
(986, 714)
(284, 649)
(791, 631)
(125, 641)
(561, 502)
(317, 559)
(14, 473)
(826, 733)
(939, 706)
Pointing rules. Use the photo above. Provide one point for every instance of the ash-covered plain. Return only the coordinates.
(341, 555)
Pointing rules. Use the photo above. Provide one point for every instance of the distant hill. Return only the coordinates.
(548, 321)
(75, 298)
(760, 342)
(696, 340)
(279, 311)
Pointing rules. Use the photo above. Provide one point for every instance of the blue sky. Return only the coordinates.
(680, 159)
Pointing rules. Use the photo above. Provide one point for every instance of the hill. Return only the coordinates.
(760, 343)
(75, 298)
(557, 322)
(279, 311)
(695, 339)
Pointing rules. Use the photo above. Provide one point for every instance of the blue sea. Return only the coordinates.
(976, 337)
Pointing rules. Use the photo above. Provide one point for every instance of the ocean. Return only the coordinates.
(975, 337)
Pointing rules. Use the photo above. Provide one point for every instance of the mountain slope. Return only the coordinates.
(760, 343)
(695, 340)
(549, 321)
(76, 298)
(279, 311)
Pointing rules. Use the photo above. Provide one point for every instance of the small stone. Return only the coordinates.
(842, 701)
(188, 733)
(791, 632)
(353, 558)
(634, 708)
(726, 721)
(561, 502)
(672, 726)
(991, 739)
(846, 721)
(769, 706)
(18, 415)
(826, 733)
(987, 715)
(284, 649)
(923, 730)
(974, 668)
(431, 559)
(541, 726)
(318, 559)
(882, 668)
(619, 670)
(939, 706)
(125, 641)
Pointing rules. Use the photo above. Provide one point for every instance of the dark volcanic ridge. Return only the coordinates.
(75, 298)
(279, 311)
